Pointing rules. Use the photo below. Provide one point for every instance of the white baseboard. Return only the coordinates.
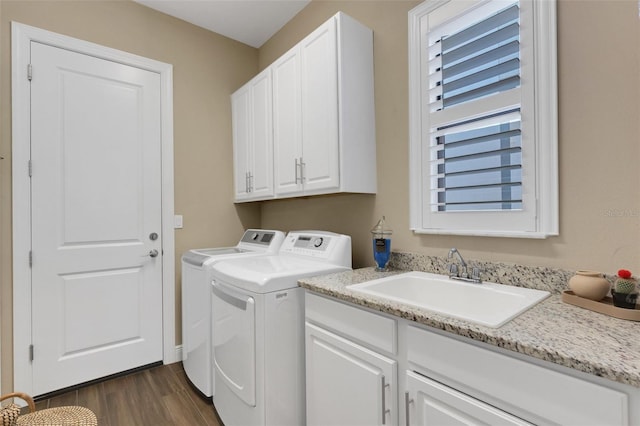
(177, 355)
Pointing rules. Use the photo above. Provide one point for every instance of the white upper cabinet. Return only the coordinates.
(287, 122)
(320, 110)
(253, 139)
(323, 114)
(310, 72)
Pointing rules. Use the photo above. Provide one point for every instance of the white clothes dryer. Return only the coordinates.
(196, 299)
(258, 328)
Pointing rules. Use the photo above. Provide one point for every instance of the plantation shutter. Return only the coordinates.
(474, 107)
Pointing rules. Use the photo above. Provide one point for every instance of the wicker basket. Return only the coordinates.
(58, 416)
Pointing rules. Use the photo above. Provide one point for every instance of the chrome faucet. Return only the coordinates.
(453, 268)
(463, 273)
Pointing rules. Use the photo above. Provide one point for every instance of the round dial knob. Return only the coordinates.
(255, 236)
(318, 242)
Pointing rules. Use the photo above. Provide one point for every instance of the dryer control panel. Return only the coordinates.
(319, 245)
(312, 242)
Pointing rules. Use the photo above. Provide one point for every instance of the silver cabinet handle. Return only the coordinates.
(303, 166)
(250, 182)
(407, 401)
(153, 253)
(297, 165)
(384, 401)
(246, 182)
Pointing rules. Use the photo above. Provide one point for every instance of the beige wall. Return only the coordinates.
(599, 174)
(599, 142)
(207, 69)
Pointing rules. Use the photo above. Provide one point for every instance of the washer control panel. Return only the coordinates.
(258, 236)
(261, 240)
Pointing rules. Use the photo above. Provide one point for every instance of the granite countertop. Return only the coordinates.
(552, 330)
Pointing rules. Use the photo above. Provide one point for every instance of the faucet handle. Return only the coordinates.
(453, 270)
(475, 274)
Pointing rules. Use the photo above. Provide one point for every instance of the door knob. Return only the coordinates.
(153, 253)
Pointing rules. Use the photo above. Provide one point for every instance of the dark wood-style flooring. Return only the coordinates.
(158, 396)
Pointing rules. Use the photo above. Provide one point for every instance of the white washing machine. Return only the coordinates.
(258, 328)
(196, 299)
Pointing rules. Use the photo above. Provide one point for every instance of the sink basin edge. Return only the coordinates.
(488, 304)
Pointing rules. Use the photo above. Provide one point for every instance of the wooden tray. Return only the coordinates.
(604, 306)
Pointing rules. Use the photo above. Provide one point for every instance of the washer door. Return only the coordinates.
(234, 337)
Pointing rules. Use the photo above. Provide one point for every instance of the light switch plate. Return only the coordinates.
(177, 221)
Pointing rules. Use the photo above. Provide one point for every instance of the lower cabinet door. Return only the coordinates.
(348, 384)
(428, 402)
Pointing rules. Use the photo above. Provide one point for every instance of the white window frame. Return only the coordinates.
(539, 219)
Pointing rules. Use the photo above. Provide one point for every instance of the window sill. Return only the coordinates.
(486, 233)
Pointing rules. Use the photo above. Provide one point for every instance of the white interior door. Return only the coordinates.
(96, 201)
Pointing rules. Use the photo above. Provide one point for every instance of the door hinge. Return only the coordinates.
(31, 353)
(30, 258)
(30, 166)
(29, 72)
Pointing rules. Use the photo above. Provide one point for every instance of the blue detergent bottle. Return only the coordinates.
(381, 244)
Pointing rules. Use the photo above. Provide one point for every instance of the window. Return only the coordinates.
(483, 118)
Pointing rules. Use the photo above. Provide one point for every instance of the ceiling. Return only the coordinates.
(252, 22)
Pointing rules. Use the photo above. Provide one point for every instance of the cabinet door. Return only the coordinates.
(319, 90)
(431, 403)
(253, 139)
(261, 146)
(287, 123)
(241, 117)
(347, 384)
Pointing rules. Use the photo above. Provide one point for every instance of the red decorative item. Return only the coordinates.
(623, 273)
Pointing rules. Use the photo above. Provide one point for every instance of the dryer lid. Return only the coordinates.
(198, 257)
(253, 241)
(219, 251)
(266, 274)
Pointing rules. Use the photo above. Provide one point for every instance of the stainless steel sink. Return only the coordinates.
(488, 304)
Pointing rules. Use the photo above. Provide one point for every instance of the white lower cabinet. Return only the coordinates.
(348, 384)
(369, 368)
(428, 402)
(529, 391)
